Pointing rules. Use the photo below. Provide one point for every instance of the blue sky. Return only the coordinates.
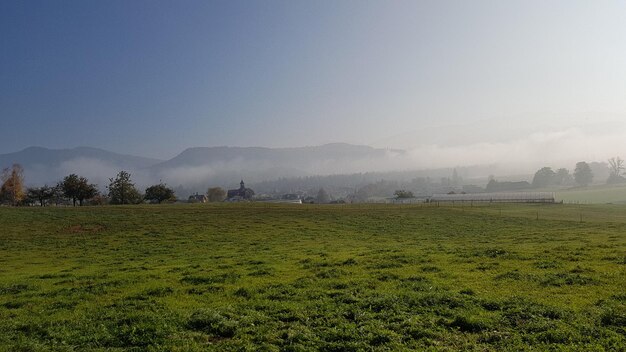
(155, 77)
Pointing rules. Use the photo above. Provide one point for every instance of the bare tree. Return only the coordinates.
(617, 166)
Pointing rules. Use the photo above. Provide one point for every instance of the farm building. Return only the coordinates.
(504, 197)
(197, 198)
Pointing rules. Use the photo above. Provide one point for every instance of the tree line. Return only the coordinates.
(77, 190)
(582, 176)
(546, 177)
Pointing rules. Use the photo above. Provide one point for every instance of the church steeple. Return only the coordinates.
(242, 185)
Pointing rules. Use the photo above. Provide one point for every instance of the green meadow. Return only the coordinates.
(596, 194)
(259, 277)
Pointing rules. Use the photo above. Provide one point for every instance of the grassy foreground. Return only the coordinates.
(300, 278)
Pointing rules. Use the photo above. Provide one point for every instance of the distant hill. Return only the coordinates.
(300, 157)
(227, 165)
(43, 165)
(196, 168)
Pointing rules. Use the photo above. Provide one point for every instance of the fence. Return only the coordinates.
(513, 197)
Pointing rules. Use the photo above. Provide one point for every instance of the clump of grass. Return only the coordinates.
(516, 275)
(297, 337)
(34, 330)
(261, 272)
(614, 316)
(386, 265)
(547, 264)
(381, 302)
(386, 276)
(243, 292)
(14, 289)
(13, 304)
(492, 253)
(417, 278)
(440, 299)
(349, 261)
(53, 276)
(613, 312)
(580, 270)
(63, 305)
(381, 338)
(487, 266)
(279, 292)
(469, 324)
(566, 279)
(205, 289)
(525, 314)
(556, 336)
(158, 291)
(211, 279)
(130, 325)
(468, 292)
(212, 322)
(430, 269)
(329, 273)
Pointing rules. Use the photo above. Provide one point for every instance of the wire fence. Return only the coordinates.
(512, 197)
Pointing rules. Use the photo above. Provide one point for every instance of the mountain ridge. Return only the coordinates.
(196, 166)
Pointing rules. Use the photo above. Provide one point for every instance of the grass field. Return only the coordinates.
(594, 194)
(299, 278)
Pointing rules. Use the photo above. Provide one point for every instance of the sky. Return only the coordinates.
(152, 78)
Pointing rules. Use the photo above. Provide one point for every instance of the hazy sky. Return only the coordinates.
(154, 77)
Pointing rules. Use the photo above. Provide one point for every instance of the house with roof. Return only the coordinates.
(197, 198)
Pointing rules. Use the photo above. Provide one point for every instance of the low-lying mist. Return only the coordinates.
(519, 156)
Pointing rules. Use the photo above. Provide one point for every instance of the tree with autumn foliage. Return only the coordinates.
(12, 189)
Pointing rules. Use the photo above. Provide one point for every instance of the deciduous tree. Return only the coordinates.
(40, 194)
(544, 177)
(78, 189)
(403, 194)
(57, 193)
(563, 177)
(582, 174)
(122, 190)
(159, 193)
(12, 189)
(216, 194)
